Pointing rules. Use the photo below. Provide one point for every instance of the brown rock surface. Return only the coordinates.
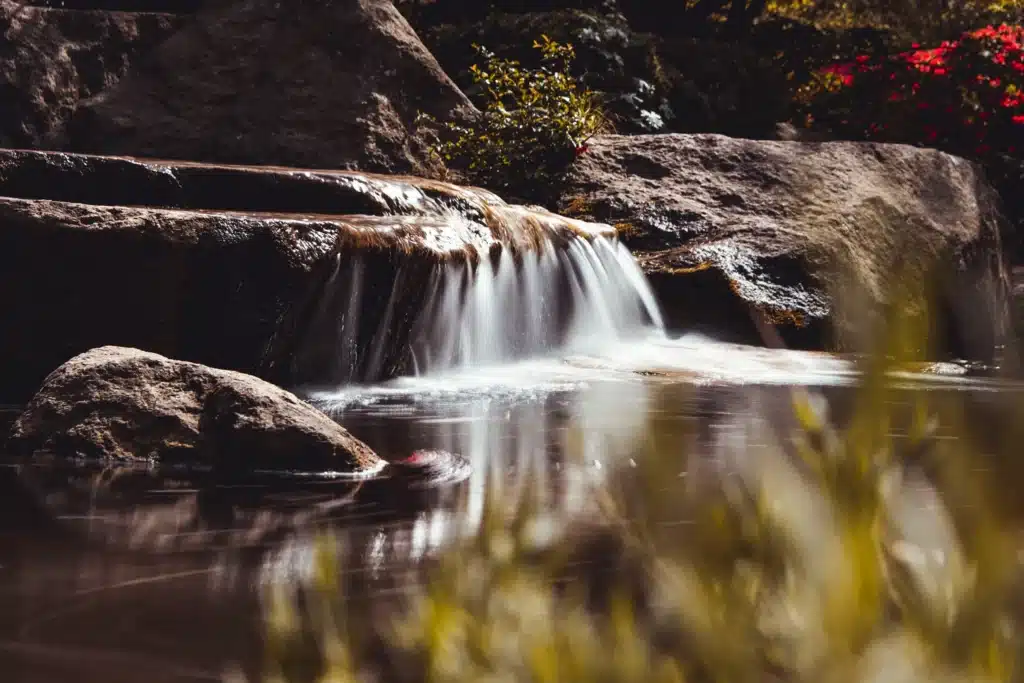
(133, 406)
(308, 83)
(204, 287)
(727, 226)
(52, 59)
(235, 281)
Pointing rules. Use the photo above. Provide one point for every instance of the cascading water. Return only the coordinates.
(489, 305)
(505, 308)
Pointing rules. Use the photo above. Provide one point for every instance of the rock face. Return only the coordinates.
(319, 83)
(52, 59)
(130, 405)
(204, 287)
(726, 226)
(233, 274)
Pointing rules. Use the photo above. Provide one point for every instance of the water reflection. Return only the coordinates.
(157, 575)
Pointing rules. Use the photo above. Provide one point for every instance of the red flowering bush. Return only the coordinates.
(965, 96)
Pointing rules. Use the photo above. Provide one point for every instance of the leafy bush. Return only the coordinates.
(610, 58)
(533, 124)
(964, 95)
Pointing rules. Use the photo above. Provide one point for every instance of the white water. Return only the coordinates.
(589, 294)
(550, 317)
(566, 296)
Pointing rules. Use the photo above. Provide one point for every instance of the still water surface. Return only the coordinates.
(156, 578)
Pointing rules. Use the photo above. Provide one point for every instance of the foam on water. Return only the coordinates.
(645, 358)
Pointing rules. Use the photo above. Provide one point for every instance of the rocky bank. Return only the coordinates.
(224, 265)
(725, 227)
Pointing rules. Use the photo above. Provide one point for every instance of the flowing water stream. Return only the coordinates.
(541, 369)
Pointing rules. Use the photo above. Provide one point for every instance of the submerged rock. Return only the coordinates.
(52, 59)
(314, 83)
(733, 233)
(233, 272)
(132, 406)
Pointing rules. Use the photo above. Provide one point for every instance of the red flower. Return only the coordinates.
(959, 86)
(841, 71)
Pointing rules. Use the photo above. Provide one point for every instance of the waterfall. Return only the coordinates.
(585, 293)
(500, 304)
(451, 277)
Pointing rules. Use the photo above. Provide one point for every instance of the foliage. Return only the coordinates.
(611, 59)
(909, 20)
(964, 95)
(534, 122)
(831, 554)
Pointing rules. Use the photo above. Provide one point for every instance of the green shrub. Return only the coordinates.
(533, 122)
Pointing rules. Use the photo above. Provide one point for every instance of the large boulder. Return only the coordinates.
(320, 83)
(52, 59)
(132, 406)
(728, 227)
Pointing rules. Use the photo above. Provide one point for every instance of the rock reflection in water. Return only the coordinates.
(159, 578)
(157, 575)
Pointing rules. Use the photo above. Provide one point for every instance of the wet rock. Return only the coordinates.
(199, 286)
(426, 468)
(420, 481)
(738, 233)
(128, 405)
(126, 181)
(311, 83)
(235, 281)
(52, 59)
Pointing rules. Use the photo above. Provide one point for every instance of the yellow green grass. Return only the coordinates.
(882, 549)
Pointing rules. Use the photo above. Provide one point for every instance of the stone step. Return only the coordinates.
(127, 181)
(242, 268)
